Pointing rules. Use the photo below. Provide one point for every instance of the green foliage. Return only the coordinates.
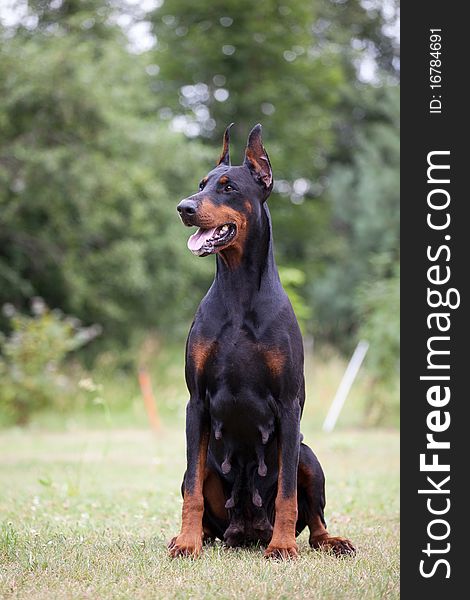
(364, 219)
(98, 144)
(292, 279)
(32, 357)
(89, 182)
(378, 304)
(248, 62)
(333, 141)
(286, 65)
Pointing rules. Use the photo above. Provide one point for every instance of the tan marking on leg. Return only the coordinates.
(189, 541)
(316, 527)
(214, 495)
(282, 544)
(319, 537)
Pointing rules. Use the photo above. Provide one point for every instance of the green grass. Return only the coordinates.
(87, 514)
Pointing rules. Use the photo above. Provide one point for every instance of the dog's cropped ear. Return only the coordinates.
(225, 156)
(257, 159)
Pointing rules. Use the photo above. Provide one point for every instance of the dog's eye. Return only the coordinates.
(228, 188)
(202, 185)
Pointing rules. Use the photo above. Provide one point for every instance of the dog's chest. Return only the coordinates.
(240, 358)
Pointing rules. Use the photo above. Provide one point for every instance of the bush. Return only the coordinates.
(32, 360)
(89, 183)
(293, 279)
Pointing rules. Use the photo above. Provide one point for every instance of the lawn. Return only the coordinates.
(87, 514)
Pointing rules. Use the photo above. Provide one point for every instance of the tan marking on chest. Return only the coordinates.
(200, 352)
(274, 359)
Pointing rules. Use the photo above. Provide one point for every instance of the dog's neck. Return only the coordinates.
(256, 269)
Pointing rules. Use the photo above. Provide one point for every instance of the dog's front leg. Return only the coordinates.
(189, 541)
(283, 543)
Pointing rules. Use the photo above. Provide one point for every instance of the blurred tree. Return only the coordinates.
(91, 166)
(364, 218)
(332, 140)
(378, 304)
(287, 65)
(248, 62)
(89, 179)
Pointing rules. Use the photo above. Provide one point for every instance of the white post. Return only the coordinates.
(345, 385)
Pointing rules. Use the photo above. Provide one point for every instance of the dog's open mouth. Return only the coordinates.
(207, 241)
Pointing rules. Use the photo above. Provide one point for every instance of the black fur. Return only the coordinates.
(249, 393)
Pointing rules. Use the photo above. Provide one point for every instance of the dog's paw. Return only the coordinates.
(337, 545)
(234, 535)
(185, 545)
(263, 530)
(282, 551)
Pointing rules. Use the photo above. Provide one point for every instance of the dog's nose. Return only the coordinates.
(187, 207)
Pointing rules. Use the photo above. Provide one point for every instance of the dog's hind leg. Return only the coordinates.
(311, 505)
(215, 518)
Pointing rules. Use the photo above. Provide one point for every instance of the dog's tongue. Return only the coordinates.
(198, 239)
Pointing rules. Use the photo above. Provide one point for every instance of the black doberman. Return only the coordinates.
(249, 477)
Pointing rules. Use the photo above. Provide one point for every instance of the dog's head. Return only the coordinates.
(229, 199)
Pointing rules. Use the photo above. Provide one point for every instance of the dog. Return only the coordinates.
(249, 479)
